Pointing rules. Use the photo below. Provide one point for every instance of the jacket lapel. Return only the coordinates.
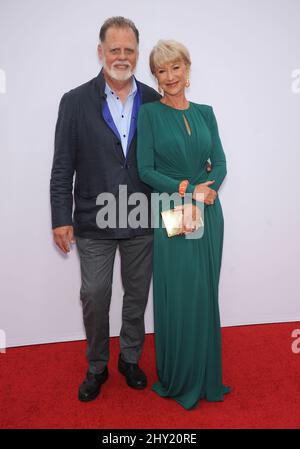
(107, 117)
(134, 115)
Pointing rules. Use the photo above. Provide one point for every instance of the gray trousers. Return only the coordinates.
(96, 262)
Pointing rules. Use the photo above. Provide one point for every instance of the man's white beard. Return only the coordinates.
(119, 75)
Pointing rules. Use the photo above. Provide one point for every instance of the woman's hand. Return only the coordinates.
(209, 194)
(191, 220)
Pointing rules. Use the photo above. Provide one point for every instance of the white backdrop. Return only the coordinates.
(245, 62)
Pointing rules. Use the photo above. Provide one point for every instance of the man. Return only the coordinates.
(95, 138)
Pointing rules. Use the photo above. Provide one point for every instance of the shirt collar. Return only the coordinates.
(132, 92)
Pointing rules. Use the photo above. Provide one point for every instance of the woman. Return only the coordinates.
(175, 139)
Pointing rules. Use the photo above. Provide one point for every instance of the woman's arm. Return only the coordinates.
(218, 159)
(145, 157)
(218, 169)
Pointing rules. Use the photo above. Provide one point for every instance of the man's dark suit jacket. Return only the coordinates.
(87, 144)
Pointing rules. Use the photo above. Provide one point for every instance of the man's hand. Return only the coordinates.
(63, 236)
(209, 194)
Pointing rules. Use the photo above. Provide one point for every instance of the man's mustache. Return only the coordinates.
(126, 63)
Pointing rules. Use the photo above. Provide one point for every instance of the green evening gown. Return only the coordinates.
(185, 271)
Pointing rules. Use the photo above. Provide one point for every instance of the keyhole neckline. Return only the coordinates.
(186, 124)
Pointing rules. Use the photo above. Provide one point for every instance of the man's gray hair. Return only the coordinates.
(118, 22)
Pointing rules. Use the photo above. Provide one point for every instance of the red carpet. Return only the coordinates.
(38, 387)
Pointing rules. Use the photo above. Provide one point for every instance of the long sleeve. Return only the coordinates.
(217, 157)
(63, 167)
(218, 160)
(145, 157)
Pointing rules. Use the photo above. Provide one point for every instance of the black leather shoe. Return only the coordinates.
(135, 377)
(90, 388)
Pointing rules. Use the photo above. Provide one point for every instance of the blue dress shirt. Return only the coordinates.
(121, 112)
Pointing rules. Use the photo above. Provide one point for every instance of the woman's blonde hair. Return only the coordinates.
(166, 51)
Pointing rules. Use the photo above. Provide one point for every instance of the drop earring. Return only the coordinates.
(187, 84)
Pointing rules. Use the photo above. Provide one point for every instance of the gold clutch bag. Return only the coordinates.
(173, 221)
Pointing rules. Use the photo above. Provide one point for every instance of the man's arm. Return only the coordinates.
(63, 168)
